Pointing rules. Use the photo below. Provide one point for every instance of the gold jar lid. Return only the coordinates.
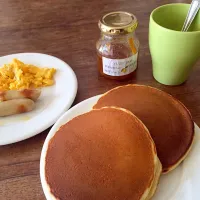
(119, 22)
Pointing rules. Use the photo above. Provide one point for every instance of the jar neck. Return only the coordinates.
(121, 36)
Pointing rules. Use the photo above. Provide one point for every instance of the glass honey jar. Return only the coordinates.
(118, 46)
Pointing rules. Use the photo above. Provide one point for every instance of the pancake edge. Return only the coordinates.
(150, 191)
(145, 195)
(173, 166)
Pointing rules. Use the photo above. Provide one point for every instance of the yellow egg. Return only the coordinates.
(18, 75)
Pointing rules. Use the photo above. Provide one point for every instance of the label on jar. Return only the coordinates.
(119, 67)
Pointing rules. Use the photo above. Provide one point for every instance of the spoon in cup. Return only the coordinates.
(194, 8)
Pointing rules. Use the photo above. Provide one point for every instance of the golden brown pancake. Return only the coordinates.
(103, 154)
(168, 121)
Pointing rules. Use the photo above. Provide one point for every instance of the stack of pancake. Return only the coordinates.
(119, 149)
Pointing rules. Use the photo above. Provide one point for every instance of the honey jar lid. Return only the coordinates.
(119, 22)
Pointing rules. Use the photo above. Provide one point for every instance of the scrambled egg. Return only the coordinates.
(18, 75)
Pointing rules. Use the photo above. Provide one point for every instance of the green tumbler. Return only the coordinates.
(174, 53)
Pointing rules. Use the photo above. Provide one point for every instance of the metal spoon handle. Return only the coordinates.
(195, 6)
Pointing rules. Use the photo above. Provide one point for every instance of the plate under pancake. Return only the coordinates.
(169, 122)
(103, 154)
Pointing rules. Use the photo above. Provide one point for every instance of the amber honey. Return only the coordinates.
(117, 48)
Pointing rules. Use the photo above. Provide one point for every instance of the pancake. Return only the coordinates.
(169, 122)
(104, 154)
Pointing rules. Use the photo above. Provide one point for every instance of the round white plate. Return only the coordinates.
(181, 184)
(52, 103)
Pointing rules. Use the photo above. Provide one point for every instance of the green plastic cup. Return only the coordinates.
(174, 53)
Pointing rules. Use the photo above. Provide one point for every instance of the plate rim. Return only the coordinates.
(54, 119)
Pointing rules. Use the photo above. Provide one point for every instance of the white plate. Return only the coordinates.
(53, 102)
(181, 184)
